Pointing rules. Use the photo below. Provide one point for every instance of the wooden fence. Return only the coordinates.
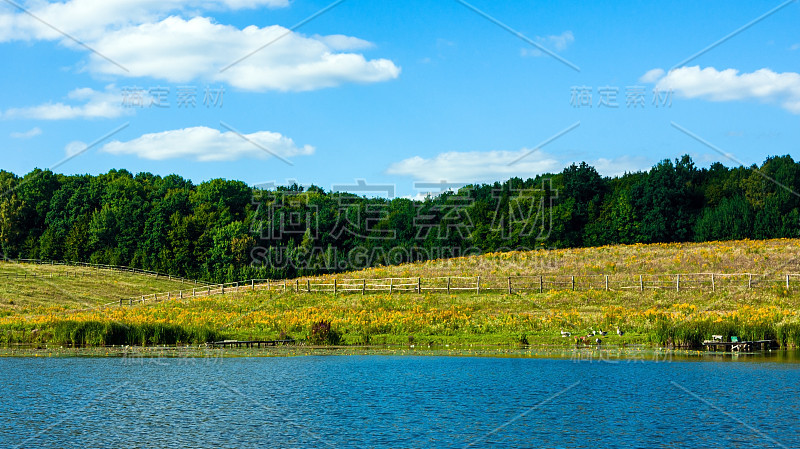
(710, 282)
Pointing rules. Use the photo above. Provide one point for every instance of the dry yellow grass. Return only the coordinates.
(71, 287)
(743, 256)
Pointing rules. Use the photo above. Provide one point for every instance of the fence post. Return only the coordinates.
(749, 281)
(180, 294)
(641, 284)
(193, 293)
(419, 285)
(606, 282)
(541, 284)
(363, 286)
(297, 285)
(787, 282)
(509, 285)
(334, 286)
(391, 285)
(208, 291)
(284, 285)
(169, 295)
(448, 285)
(713, 286)
(573, 283)
(677, 282)
(308, 285)
(120, 302)
(478, 285)
(253, 284)
(223, 288)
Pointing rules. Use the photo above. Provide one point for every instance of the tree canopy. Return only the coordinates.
(223, 230)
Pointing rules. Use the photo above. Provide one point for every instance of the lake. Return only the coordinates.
(397, 402)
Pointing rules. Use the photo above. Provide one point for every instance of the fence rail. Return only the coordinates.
(101, 268)
(483, 284)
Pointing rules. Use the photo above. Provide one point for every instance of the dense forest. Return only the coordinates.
(225, 230)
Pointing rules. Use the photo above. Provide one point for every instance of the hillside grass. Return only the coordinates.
(69, 287)
(741, 256)
(653, 317)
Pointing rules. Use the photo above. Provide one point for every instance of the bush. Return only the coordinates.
(322, 333)
(93, 333)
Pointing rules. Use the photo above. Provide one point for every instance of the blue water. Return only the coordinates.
(395, 402)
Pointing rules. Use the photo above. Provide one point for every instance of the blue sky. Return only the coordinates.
(393, 92)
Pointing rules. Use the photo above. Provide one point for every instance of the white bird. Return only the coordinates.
(598, 341)
(603, 333)
(565, 334)
(620, 333)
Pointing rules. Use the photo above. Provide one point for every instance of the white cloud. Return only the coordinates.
(33, 132)
(340, 42)
(468, 167)
(142, 37)
(90, 104)
(73, 148)
(181, 50)
(476, 166)
(208, 145)
(730, 85)
(652, 76)
(87, 19)
(557, 43)
(795, 47)
(618, 166)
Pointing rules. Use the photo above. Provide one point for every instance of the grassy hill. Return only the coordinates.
(743, 256)
(32, 288)
(657, 317)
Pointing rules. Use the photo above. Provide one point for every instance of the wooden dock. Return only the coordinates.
(738, 346)
(249, 343)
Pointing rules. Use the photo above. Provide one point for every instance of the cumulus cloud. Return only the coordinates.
(731, 85)
(151, 38)
(87, 19)
(651, 76)
(558, 43)
(475, 166)
(181, 50)
(492, 166)
(618, 166)
(33, 132)
(75, 147)
(340, 42)
(208, 145)
(84, 103)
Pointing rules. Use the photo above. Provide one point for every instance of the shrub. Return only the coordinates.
(322, 333)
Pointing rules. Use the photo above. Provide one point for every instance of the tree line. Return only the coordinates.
(225, 230)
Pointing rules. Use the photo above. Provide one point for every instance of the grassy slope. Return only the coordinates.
(754, 256)
(658, 317)
(71, 287)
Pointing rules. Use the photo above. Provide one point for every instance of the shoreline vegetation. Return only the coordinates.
(196, 354)
(656, 318)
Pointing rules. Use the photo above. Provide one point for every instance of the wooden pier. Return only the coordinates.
(738, 346)
(249, 343)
